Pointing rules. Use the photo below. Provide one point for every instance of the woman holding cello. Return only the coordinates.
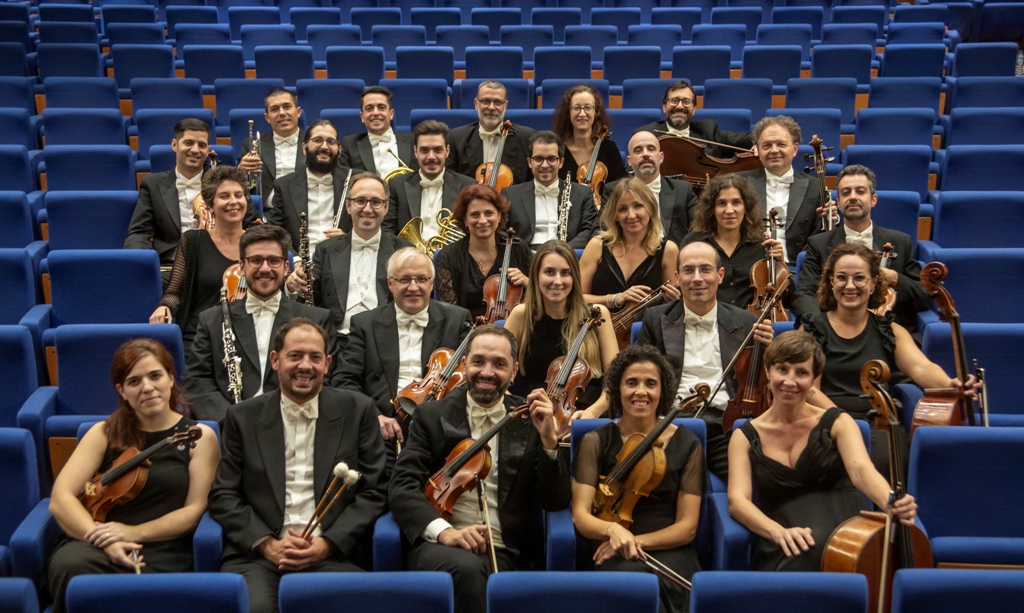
(583, 124)
(156, 525)
(641, 388)
(809, 466)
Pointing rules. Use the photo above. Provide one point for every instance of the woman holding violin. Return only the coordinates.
(808, 464)
(155, 525)
(641, 388)
(583, 124)
(464, 267)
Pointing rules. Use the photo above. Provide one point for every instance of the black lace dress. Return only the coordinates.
(459, 279)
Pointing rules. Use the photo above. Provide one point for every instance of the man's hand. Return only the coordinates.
(273, 549)
(670, 291)
(390, 429)
(891, 276)
(296, 282)
(332, 232)
(764, 332)
(250, 163)
(300, 553)
(472, 539)
(542, 415)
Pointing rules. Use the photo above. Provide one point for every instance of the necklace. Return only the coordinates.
(479, 261)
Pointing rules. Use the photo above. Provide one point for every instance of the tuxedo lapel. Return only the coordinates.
(433, 332)
(341, 264)
(511, 449)
(300, 154)
(666, 200)
(673, 331)
(385, 334)
(267, 152)
(414, 193)
(797, 192)
(270, 439)
(387, 248)
(405, 152)
(284, 314)
(366, 152)
(169, 194)
(325, 444)
(528, 201)
(449, 191)
(245, 332)
(475, 147)
(300, 194)
(730, 336)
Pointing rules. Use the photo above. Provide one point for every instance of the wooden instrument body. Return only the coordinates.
(496, 309)
(762, 282)
(615, 500)
(752, 399)
(622, 322)
(485, 172)
(433, 385)
(597, 179)
(939, 407)
(442, 489)
(98, 499)
(890, 294)
(688, 159)
(564, 397)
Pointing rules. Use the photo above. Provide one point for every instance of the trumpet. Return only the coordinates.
(253, 178)
(449, 233)
(402, 169)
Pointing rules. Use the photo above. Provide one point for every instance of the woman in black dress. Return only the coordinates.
(641, 388)
(807, 464)
(158, 523)
(579, 119)
(462, 267)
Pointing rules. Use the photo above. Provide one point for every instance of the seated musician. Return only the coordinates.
(158, 523)
(280, 152)
(527, 471)
(204, 255)
(729, 219)
(164, 209)
(676, 199)
(806, 462)
(389, 347)
(678, 105)
(579, 120)
(548, 320)
(631, 258)
(641, 389)
(255, 320)
(463, 267)
(423, 194)
(280, 452)
(702, 334)
(477, 143)
(380, 148)
(316, 190)
(855, 186)
(536, 207)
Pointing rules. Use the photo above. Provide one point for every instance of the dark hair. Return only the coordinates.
(637, 354)
(264, 232)
(783, 121)
(677, 86)
(704, 219)
(496, 331)
(215, 176)
(375, 89)
(545, 137)
(356, 178)
(277, 91)
(561, 119)
(794, 347)
(193, 124)
(430, 127)
(826, 297)
(857, 169)
(123, 424)
(479, 191)
(319, 123)
(298, 322)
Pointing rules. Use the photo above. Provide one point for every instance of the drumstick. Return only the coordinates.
(340, 470)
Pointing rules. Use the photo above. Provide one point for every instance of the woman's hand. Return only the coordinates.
(517, 277)
(670, 291)
(775, 248)
(120, 554)
(634, 294)
(104, 535)
(793, 541)
(905, 510)
(620, 542)
(162, 315)
(971, 389)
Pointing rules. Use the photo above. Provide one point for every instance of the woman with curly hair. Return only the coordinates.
(579, 120)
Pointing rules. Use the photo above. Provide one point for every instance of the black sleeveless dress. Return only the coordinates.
(547, 344)
(816, 493)
(608, 278)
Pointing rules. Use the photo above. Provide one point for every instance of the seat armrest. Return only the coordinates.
(387, 544)
(207, 545)
(560, 541)
(32, 542)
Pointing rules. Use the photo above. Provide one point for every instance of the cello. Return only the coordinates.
(828, 222)
(444, 373)
(499, 294)
(888, 255)
(765, 274)
(595, 174)
(495, 174)
(686, 157)
(875, 544)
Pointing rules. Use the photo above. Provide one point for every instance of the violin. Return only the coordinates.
(569, 374)
(686, 157)
(233, 280)
(623, 321)
(828, 223)
(502, 178)
(444, 373)
(765, 274)
(639, 467)
(500, 295)
(127, 475)
(888, 255)
(595, 174)
(876, 544)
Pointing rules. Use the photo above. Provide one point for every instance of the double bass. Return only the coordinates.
(595, 174)
(766, 274)
(494, 174)
(500, 295)
(828, 223)
(686, 157)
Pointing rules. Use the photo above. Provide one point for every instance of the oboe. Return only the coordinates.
(232, 362)
(563, 210)
(307, 265)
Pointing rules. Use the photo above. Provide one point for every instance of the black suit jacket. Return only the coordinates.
(522, 214)
(156, 221)
(911, 296)
(707, 129)
(802, 220)
(248, 494)
(369, 363)
(269, 158)
(406, 194)
(357, 154)
(205, 381)
(291, 197)
(677, 203)
(526, 474)
(332, 264)
(663, 328)
(467, 151)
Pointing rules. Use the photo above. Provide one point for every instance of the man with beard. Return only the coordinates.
(379, 148)
(678, 104)
(315, 191)
(676, 199)
(278, 153)
(528, 471)
(263, 258)
(855, 186)
(280, 451)
(476, 143)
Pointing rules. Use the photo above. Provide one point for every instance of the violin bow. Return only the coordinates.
(482, 498)
(660, 568)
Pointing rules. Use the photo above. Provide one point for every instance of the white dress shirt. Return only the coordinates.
(702, 355)
(546, 210)
(362, 278)
(865, 238)
(431, 203)
(684, 132)
(655, 187)
(187, 189)
(777, 196)
(263, 315)
(299, 435)
(285, 151)
(382, 160)
(320, 207)
(410, 345)
(490, 140)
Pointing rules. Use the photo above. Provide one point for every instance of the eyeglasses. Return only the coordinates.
(375, 203)
(679, 102)
(256, 261)
(486, 102)
(406, 281)
(319, 140)
(840, 280)
(550, 160)
(705, 269)
(586, 108)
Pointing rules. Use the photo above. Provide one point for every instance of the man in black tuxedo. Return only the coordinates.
(676, 199)
(528, 471)
(370, 150)
(279, 153)
(476, 143)
(700, 335)
(316, 190)
(423, 194)
(678, 104)
(280, 452)
(263, 253)
(534, 206)
(855, 187)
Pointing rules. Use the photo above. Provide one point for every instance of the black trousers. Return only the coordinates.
(262, 577)
(718, 445)
(469, 571)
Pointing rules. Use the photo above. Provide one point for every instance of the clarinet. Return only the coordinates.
(563, 211)
(232, 362)
(307, 265)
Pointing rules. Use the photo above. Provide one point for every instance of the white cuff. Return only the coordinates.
(552, 453)
(434, 529)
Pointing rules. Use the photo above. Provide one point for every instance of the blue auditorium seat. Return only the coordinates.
(776, 63)
(68, 32)
(18, 270)
(748, 16)
(987, 92)
(557, 18)
(760, 592)
(875, 13)
(378, 592)
(1001, 22)
(898, 210)
(238, 122)
(18, 229)
(89, 220)
(89, 167)
(239, 16)
(753, 94)
(520, 92)
(665, 37)
(552, 90)
(391, 37)
(132, 13)
(14, 61)
(928, 13)
(434, 62)
(982, 168)
(460, 38)
(346, 121)
(902, 126)
(320, 37)
(644, 93)
(984, 60)
(627, 121)
(135, 33)
(366, 18)
(207, 63)
(66, 12)
(814, 93)
(733, 120)
(905, 92)
(765, 6)
(16, 11)
(202, 34)
(68, 60)
(346, 7)
(364, 63)
(697, 64)
(166, 94)
(850, 34)
(985, 126)
(495, 18)
(431, 18)
(972, 275)
(913, 60)
(914, 34)
(156, 125)
(241, 94)
(948, 590)
(16, 128)
(20, 480)
(253, 36)
(195, 592)
(547, 592)
(188, 14)
(618, 18)
(141, 61)
(598, 38)
(844, 61)
(288, 63)
(318, 94)
(684, 17)
(81, 93)
(302, 17)
(16, 173)
(83, 126)
(406, 7)
(898, 167)
(452, 118)
(529, 38)
(629, 62)
(813, 16)
(287, 6)
(561, 63)
(415, 94)
(787, 34)
(538, 119)
(491, 62)
(465, 7)
(732, 35)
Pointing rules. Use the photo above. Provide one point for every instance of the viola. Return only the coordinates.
(765, 274)
(687, 158)
(876, 544)
(623, 321)
(888, 255)
(127, 475)
(500, 295)
(444, 373)
(502, 177)
(595, 174)
(569, 374)
(828, 223)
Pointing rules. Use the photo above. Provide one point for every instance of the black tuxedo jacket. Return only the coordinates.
(332, 264)
(707, 129)
(677, 203)
(369, 363)
(357, 154)
(911, 296)
(527, 476)
(291, 197)
(522, 214)
(205, 381)
(467, 151)
(663, 328)
(269, 158)
(802, 220)
(156, 221)
(406, 193)
(248, 494)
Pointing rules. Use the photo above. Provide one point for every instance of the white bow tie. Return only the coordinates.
(359, 244)
(294, 411)
(378, 139)
(254, 306)
(435, 182)
(495, 133)
(774, 181)
(698, 323)
(546, 190)
(195, 183)
(280, 141)
(325, 181)
(405, 320)
(485, 418)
